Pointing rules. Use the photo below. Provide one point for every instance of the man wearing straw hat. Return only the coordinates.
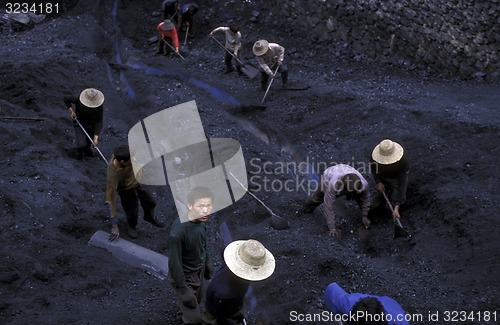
(88, 109)
(167, 34)
(188, 261)
(270, 57)
(390, 168)
(245, 261)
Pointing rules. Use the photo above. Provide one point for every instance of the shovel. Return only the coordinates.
(184, 45)
(249, 70)
(399, 231)
(277, 222)
(269, 86)
(92, 141)
(173, 49)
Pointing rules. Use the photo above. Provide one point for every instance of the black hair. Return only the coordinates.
(122, 153)
(352, 183)
(234, 28)
(369, 311)
(199, 192)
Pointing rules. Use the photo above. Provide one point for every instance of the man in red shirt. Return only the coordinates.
(168, 33)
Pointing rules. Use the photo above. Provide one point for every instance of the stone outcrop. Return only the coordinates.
(456, 36)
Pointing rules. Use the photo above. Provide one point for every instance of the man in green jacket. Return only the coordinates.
(188, 261)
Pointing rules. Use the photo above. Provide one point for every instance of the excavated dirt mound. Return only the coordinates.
(51, 203)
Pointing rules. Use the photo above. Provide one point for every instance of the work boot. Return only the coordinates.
(284, 78)
(229, 69)
(155, 222)
(132, 233)
(240, 72)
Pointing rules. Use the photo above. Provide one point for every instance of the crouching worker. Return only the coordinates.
(336, 181)
(361, 308)
(245, 261)
(121, 179)
(270, 57)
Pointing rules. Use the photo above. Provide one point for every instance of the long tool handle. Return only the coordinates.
(186, 37)
(253, 195)
(269, 86)
(396, 220)
(92, 141)
(387, 201)
(232, 54)
(173, 49)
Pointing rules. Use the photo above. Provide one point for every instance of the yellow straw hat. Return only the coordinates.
(387, 152)
(91, 97)
(249, 260)
(260, 47)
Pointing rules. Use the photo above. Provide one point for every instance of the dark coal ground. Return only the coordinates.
(51, 203)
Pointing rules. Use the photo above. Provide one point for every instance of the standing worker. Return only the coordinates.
(120, 178)
(187, 13)
(170, 10)
(188, 261)
(270, 57)
(88, 110)
(167, 33)
(390, 168)
(233, 45)
(336, 181)
(245, 261)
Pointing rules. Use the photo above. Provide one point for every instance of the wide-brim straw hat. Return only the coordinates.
(260, 47)
(387, 152)
(249, 260)
(92, 97)
(167, 25)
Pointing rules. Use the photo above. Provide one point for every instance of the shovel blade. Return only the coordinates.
(399, 231)
(279, 223)
(249, 70)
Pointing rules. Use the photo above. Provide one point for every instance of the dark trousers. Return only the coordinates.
(284, 75)
(228, 58)
(82, 141)
(194, 282)
(130, 202)
(162, 47)
(187, 19)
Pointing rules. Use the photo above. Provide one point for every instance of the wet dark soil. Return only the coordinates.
(51, 203)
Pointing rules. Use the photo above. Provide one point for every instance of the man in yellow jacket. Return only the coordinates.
(121, 179)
